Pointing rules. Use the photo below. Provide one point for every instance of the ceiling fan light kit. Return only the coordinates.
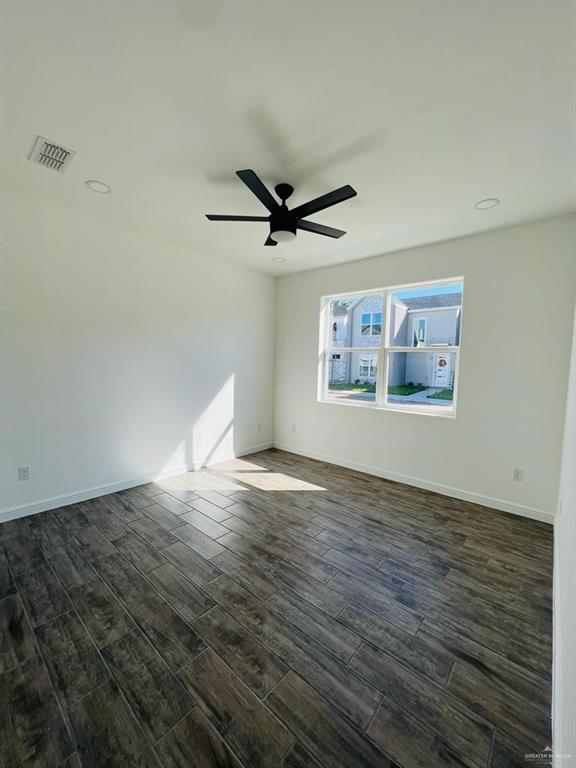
(284, 222)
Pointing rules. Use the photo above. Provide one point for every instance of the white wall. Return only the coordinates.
(122, 356)
(564, 715)
(519, 286)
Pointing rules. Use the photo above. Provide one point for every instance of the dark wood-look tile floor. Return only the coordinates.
(274, 612)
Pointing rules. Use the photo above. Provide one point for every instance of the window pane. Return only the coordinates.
(427, 316)
(421, 378)
(377, 317)
(352, 377)
(339, 320)
(376, 330)
(351, 319)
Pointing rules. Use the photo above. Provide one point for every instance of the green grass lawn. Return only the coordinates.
(405, 389)
(353, 387)
(444, 394)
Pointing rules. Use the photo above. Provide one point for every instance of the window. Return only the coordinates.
(394, 348)
(367, 367)
(371, 324)
(419, 333)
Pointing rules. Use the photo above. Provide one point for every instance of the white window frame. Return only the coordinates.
(383, 351)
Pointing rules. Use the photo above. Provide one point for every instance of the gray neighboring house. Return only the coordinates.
(426, 321)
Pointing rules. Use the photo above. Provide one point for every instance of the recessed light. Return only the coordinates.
(278, 259)
(489, 202)
(98, 186)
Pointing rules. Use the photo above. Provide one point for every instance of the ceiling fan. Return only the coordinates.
(285, 222)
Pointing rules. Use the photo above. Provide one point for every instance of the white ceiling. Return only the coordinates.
(424, 107)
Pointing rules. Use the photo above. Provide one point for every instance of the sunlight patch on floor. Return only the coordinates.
(274, 481)
(235, 475)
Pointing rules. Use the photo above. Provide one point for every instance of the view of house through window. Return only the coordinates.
(394, 347)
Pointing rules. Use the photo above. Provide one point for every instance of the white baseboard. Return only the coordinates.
(65, 499)
(427, 485)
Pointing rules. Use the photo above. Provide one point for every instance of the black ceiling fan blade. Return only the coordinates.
(269, 241)
(218, 217)
(324, 201)
(319, 229)
(256, 186)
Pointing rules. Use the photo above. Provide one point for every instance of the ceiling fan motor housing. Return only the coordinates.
(281, 220)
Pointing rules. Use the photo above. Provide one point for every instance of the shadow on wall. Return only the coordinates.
(211, 440)
(211, 436)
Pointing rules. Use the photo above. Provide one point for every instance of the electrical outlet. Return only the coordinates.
(518, 475)
(292, 427)
(24, 473)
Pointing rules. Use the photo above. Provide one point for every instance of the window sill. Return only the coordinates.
(440, 411)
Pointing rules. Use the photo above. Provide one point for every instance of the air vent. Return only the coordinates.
(51, 155)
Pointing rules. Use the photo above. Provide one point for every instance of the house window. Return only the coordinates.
(419, 332)
(367, 367)
(412, 337)
(371, 324)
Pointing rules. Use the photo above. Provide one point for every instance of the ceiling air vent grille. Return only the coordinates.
(51, 155)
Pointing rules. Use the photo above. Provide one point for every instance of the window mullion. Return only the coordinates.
(382, 370)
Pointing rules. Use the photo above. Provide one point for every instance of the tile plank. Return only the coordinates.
(32, 729)
(174, 505)
(511, 714)
(16, 637)
(168, 520)
(326, 631)
(72, 659)
(408, 742)
(182, 595)
(253, 579)
(204, 523)
(121, 507)
(198, 541)
(374, 600)
(137, 552)
(196, 568)
(339, 684)
(427, 658)
(101, 613)
(155, 695)
(71, 567)
(468, 734)
(259, 739)
(194, 742)
(7, 586)
(106, 733)
(123, 579)
(155, 535)
(328, 736)
(93, 543)
(42, 594)
(319, 594)
(254, 664)
(173, 638)
(215, 498)
(246, 609)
